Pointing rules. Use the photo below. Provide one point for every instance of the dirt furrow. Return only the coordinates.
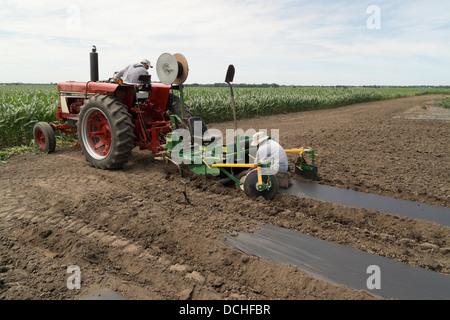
(132, 230)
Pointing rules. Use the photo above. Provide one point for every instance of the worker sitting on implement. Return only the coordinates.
(131, 73)
(271, 150)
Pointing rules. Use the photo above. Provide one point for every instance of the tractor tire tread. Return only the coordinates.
(122, 129)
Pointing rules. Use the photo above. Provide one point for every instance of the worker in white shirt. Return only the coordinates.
(270, 150)
(130, 74)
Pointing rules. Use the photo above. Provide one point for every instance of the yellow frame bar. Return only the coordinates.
(298, 150)
(260, 182)
(294, 150)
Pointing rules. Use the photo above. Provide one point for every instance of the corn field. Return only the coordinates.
(214, 104)
(21, 106)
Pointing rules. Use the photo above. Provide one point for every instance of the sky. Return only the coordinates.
(301, 42)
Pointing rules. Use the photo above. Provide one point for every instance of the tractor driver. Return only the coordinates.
(131, 73)
(271, 150)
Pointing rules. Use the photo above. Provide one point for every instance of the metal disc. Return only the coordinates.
(167, 68)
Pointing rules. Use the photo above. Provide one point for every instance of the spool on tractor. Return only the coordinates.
(111, 118)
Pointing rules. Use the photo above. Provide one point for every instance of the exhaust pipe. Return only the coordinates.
(94, 64)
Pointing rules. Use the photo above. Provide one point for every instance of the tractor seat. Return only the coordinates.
(197, 135)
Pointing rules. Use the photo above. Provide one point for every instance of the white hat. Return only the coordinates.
(147, 63)
(258, 138)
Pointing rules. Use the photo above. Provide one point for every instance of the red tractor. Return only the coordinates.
(111, 118)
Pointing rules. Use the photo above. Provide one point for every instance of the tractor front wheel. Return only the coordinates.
(44, 137)
(105, 132)
(251, 183)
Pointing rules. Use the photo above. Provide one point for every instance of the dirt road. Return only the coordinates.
(131, 231)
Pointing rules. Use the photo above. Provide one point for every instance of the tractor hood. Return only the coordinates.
(89, 87)
(84, 90)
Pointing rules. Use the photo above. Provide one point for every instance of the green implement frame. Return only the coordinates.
(227, 163)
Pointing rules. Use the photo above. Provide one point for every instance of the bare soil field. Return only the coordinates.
(131, 231)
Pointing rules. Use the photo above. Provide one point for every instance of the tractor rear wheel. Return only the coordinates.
(44, 137)
(251, 182)
(105, 132)
(174, 106)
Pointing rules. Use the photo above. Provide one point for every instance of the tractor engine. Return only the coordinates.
(75, 105)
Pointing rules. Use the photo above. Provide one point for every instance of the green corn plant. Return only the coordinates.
(21, 107)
